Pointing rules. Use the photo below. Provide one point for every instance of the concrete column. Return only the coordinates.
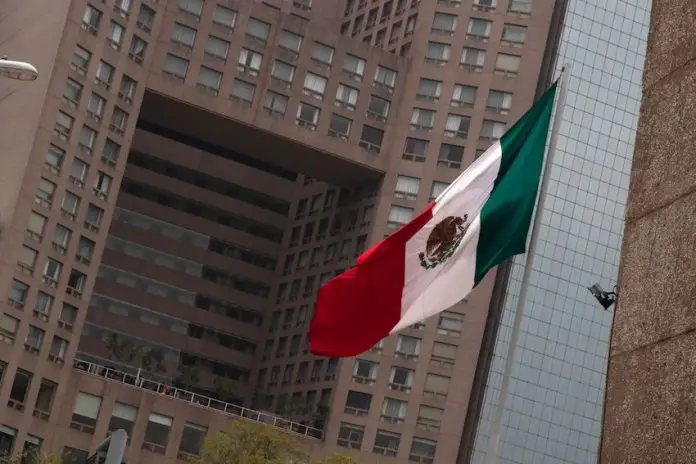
(650, 409)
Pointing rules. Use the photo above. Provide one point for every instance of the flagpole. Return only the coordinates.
(492, 455)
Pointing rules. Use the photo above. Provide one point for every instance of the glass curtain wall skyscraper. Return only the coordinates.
(554, 408)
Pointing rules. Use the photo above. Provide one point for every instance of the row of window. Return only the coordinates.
(92, 21)
(387, 443)
(35, 337)
(320, 371)
(516, 6)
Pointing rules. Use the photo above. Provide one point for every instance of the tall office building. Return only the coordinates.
(554, 408)
(186, 173)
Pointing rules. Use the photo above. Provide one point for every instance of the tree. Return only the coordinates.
(128, 353)
(225, 390)
(189, 375)
(250, 443)
(44, 459)
(337, 458)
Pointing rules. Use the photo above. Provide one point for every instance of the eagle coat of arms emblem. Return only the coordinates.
(443, 241)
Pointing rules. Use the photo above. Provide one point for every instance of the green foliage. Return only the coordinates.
(189, 375)
(150, 360)
(44, 459)
(337, 458)
(250, 443)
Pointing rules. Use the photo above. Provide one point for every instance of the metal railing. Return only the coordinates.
(141, 382)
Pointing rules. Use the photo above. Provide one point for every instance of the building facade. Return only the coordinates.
(553, 412)
(185, 174)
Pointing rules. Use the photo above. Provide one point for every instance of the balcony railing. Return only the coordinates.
(195, 399)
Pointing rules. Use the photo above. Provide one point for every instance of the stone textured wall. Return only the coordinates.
(650, 408)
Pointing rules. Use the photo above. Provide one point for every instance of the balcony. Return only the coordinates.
(155, 387)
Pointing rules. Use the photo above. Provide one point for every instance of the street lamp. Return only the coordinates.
(17, 70)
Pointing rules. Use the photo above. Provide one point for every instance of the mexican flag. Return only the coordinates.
(435, 260)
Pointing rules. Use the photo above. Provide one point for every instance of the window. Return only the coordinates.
(436, 385)
(393, 411)
(358, 403)
(59, 346)
(27, 260)
(183, 36)
(408, 347)
(44, 399)
(127, 90)
(386, 443)
(437, 189)
(485, 5)
(102, 185)
(250, 62)
(85, 412)
(444, 24)
(243, 91)
(507, 64)
(357, 25)
(217, 48)
(105, 74)
(515, 35)
(276, 104)
(54, 159)
(365, 371)
(307, 116)
(67, 316)
(354, 67)
(492, 130)
(450, 156)
(314, 86)
(74, 455)
(258, 30)
(8, 328)
(85, 250)
(464, 96)
(115, 36)
(422, 119)
(422, 450)
(43, 305)
(91, 20)
(63, 126)
(401, 379)
(499, 102)
(72, 93)
(44, 192)
(282, 73)
(52, 271)
(93, 217)
(137, 49)
(209, 80)
(407, 187)
(378, 108)
(80, 60)
(398, 216)
(146, 18)
(520, 6)
(395, 32)
(7, 440)
(438, 53)
(175, 67)
(472, 59)
(225, 17)
(351, 435)
(443, 354)
(88, 137)
(415, 150)
(119, 120)
(339, 127)
(450, 323)
(290, 43)
(192, 7)
(371, 138)
(385, 78)
(71, 203)
(61, 239)
(192, 438)
(429, 90)
(410, 25)
(95, 106)
(36, 226)
(322, 54)
(457, 125)
(110, 152)
(157, 432)
(347, 97)
(78, 172)
(123, 416)
(479, 29)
